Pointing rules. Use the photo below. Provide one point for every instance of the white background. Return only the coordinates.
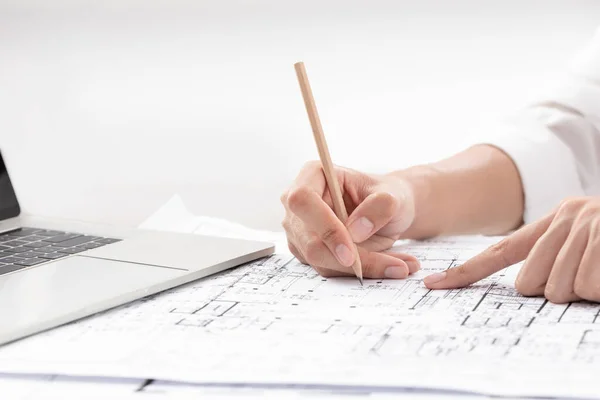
(107, 108)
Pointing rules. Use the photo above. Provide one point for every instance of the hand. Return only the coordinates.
(562, 253)
(380, 209)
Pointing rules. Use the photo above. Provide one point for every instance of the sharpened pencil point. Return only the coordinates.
(361, 281)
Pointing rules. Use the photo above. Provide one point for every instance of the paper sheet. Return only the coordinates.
(248, 393)
(50, 387)
(175, 217)
(276, 323)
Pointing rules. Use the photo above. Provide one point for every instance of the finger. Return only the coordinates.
(378, 242)
(371, 215)
(325, 272)
(320, 219)
(294, 250)
(294, 230)
(331, 273)
(374, 265)
(317, 254)
(536, 270)
(509, 251)
(314, 252)
(311, 176)
(412, 262)
(299, 235)
(383, 265)
(587, 281)
(560, 285)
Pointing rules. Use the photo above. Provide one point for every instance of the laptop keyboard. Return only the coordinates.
(26, 247)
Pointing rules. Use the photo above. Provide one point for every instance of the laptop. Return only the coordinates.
(53, 272)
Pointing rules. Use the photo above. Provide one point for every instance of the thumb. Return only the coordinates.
(375, 211)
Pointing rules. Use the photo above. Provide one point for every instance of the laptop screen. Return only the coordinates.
(9, 206)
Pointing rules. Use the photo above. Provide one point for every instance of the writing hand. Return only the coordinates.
(380, 209)
(561, 253)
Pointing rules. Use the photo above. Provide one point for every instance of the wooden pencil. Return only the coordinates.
(332, 183)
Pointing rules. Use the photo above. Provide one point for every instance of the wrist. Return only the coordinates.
(419, 184)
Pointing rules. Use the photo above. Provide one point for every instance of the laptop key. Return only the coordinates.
(5, 269)
(34, 238)
(72, 250)
(29, 254)
(19, 255)
(92, 245)
(50, 249)
(30, 262)
(107, 240)
(35, 245)
(54, 256)
(14, 243)
(75, 241)
(24, 232)
(49, 233)
(11, 260)
(61, 238)
(16, 250)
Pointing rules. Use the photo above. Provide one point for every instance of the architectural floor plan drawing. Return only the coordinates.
(277, 322)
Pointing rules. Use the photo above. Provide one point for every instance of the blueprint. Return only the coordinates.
(276, 323)
(52, 387)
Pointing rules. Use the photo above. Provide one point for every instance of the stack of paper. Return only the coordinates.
(174, 216)
(275, 325)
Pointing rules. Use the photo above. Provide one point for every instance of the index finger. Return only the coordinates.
(509, 251)
(311, 176)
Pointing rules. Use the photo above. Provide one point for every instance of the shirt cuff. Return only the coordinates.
(546, 165)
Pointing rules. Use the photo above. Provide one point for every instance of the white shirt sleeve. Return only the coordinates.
(555, 143)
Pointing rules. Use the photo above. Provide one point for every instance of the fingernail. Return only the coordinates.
(435, 278)
(395, 272)
(361, 229)
(413, 266)
(344, 255)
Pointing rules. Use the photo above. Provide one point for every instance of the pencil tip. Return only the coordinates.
(361, 281)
